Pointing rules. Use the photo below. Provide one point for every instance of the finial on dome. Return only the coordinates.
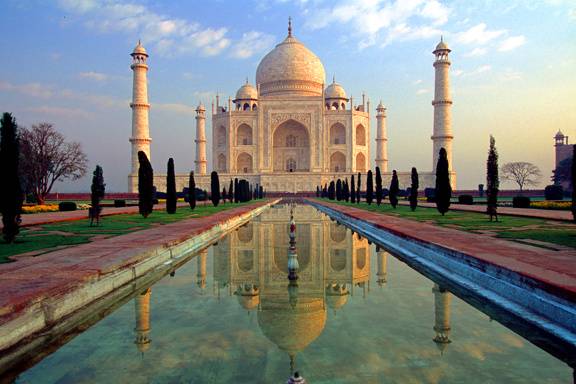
(289, 26)
(333, 79)
(441, 38)
(246, 80)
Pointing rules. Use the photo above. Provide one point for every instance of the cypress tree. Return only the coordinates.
(443, 188)
(358, 188)
(231, 191)
(338, 190)
(346, 190)
(394, 188)
(261, 192)
(224, 194)
(145, 185)
(191, 191)
(378, 186)
(11, 191)
(317, 191)
(325, 191)
(331, 191)
(369, 188)
(414, 189)
(573, 174)
(171, 197)
(352, 190)
(214, 188)
(236, 190)
(97, 191)
(492, 181)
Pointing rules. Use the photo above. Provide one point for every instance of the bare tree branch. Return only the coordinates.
(522, 173)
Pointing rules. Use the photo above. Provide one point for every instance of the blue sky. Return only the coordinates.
(513, 64)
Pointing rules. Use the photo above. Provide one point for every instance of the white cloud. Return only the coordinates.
(376, 22)
(416, 82)
(252, 42)
(422, 91)
(29, 89)
(68, 113)
(476, 52)
(457, 72)
(96, 76)
(512, 43)
(478, 34)
(169, 36)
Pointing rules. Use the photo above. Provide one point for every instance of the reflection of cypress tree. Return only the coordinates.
(192, 191)
(443, 188)
(358, 188)
(378, 186)
(414, 189)
(492, 180)
(145, 185)
(214, 188)
(394, 188)
(11, 191)
(171, 188)
(352, 190)
(369, 188)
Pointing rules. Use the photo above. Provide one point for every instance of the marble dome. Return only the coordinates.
(247, 92)
(139, 49)
(290, 69)
(335, 91)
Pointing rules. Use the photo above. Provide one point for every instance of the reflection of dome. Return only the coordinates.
(248, 296)
(247, 92)
(290, 68)
(292, 329)
(336, 296)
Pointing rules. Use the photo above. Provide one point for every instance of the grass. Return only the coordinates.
(509, 227)
(45, 238)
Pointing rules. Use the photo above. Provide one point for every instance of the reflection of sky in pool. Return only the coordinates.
(358, 316)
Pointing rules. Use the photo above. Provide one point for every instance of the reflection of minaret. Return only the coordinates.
(201, 276)
(442, 300)
(382, 267)
(142, 304)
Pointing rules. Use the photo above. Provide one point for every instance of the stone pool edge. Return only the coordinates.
(44, 313)
(515, 293)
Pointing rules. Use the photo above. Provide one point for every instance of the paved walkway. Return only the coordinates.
(556, 270)
(31, 219)
(549, 214)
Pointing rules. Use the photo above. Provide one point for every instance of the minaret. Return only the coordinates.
(442, 300)
(442, 135)
(200, 140)
(381, 139)
(140, 107)
(382, 266)
(201, 274)
(142, 304)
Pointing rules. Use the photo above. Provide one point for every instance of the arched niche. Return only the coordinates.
(337, 162)
(360, 162)
(221, 136)
(244, 134)
(291, 141)
(221, 164)
(337, 134)
(244, 163)
(360, 135)
(337, 259)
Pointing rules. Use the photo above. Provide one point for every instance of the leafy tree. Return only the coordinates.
(145, 185)
(369, 188)
(231, 191)
(97, 191)
(414, 189)
(11, 191)
(443, 187)
(214, 188)
(352, 190)
(191, 191)
(492, 180)
(522, 173)
(394, 188)
(47, 158)
(358, 188)
(171, 197)
(379, 193)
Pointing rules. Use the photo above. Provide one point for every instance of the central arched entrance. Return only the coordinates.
(291, 147)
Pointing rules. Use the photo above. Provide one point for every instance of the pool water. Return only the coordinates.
(357, 315)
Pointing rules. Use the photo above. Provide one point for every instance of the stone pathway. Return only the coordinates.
(554, 269)
(550, 214)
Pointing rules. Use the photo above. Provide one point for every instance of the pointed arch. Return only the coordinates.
(360, 162)
(337, 134)
(337, 162)
(244, 134)
(244, 163)
(360, 135)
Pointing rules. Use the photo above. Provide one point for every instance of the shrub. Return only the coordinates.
(40, 208)
(521, 202)
(430, 194)
(119, 203)
(554, 192)
(67, 206)
(465, 199)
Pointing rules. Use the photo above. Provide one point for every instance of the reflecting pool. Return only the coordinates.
(356, 315)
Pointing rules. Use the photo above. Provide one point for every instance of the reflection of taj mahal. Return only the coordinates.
(290, 132)
(334, 264)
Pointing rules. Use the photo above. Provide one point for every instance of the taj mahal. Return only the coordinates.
(290, 132)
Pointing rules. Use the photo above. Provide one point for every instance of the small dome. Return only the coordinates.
(247, 92)
(201, 107)
(559, 135)
(442, 46)
(335, 91)
(139, 49)
(380, 106)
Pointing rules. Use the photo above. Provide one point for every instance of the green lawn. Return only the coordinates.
(46, 237)
(509, 227)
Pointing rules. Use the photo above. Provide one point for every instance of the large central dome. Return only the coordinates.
(290, 69)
